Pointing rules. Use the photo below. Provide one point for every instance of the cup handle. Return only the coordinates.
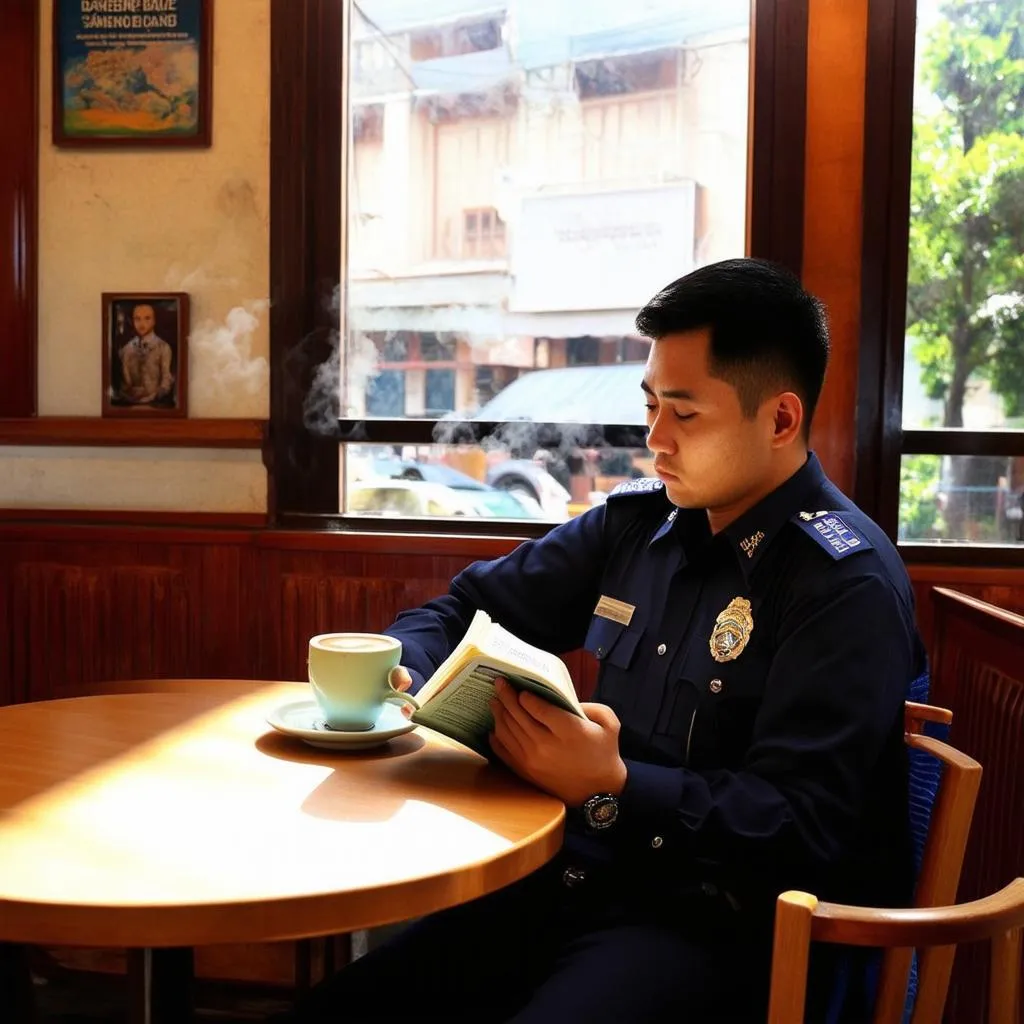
(397, 696)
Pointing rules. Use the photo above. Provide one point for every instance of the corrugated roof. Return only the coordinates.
(575, 394)
(469, 72)
(544, 33)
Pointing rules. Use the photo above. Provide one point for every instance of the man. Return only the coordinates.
(756, 638)
(145, 361)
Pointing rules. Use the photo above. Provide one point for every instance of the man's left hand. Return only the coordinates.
(571, 757)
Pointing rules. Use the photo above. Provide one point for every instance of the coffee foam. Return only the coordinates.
(354, 643)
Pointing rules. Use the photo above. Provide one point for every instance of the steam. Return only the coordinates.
(223, 358)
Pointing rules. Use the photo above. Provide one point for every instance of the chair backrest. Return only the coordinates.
(801, 919)
(943, 790)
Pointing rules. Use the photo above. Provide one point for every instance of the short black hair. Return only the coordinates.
(766, 331)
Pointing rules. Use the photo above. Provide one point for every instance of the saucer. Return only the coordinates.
(304, 720)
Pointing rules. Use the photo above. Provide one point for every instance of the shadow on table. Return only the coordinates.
(372, 785)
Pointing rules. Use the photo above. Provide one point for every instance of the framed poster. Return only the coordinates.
(145, 354)
(132, 72)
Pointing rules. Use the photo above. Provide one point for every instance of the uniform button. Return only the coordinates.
(656, 842)
(715, 686)
(600, 652)
(573, 876)
(662, 648)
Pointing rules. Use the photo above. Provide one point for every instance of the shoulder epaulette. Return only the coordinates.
(644, 485)
(832, 533)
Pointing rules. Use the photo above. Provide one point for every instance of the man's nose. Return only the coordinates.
(659, 438)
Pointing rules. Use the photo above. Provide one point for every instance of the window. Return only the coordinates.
(962, 456)
(514, 195)
(483, 235)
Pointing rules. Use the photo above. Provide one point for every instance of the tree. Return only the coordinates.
(966, 283)
(965, 301)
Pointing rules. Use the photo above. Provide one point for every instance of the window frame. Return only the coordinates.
(19, 198)
(881, 440)
(307, 229)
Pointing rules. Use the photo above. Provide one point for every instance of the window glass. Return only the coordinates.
(965, 498)
(522, 178)
(964, 361)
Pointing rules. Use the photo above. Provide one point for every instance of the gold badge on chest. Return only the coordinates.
(732, 630)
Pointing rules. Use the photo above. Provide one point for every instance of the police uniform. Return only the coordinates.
(759, 676)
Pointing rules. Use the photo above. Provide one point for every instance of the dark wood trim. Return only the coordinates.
(203, 137)
(434, 544)
(966, 575)
(543, 435)
(88, 431)
(127, 517)
(19, 203)
(955, 441)
(463, 526)
(967, 555)
(306, 123)
(775, 186)
(88, 533)
(888, 138)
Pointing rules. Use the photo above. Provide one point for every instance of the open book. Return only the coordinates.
(455, 699)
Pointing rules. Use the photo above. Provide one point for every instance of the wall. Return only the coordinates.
(190, 220)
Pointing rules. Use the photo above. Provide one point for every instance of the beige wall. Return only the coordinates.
(189, 220)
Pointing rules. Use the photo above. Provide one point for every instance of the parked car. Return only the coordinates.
(491, 501)
(526, 478)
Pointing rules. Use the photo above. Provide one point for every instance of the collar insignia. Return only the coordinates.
(749, 544)
(732, 630)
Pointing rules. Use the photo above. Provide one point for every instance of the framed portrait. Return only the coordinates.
(145, 354)
(132, 72)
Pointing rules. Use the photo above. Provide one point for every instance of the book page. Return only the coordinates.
(523, 659)
(449, 668)
(461, 710)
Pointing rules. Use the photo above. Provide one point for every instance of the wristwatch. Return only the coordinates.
(600, 811)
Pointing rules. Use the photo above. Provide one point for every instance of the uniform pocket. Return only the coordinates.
(611, 642)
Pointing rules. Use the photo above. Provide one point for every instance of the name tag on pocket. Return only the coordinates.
(617, 611)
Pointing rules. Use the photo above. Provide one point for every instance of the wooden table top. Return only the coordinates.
(178, 817)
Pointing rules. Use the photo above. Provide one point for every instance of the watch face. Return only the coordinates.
(601, 811)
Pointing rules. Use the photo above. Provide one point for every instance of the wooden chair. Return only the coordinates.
(801, 919)
(937, 881)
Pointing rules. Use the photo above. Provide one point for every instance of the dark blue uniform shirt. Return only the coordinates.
(759, 676)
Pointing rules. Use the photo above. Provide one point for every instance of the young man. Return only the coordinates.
(145, 361)
(756, 637)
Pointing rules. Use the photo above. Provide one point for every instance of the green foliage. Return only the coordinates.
(966, 277)
(919, 512)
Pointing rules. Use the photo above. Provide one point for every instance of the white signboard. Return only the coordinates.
(603, 250)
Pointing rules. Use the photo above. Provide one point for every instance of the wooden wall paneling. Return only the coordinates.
(1003, 588)
(978, 667)
(74, 624)
(7, 688)
(836, 62)
(19, 199)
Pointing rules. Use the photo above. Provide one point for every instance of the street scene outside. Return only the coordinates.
(524, 175)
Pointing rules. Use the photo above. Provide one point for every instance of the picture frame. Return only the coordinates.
(137, 76)
(145, 354)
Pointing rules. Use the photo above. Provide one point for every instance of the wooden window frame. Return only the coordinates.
(19, 201)
(881, 440)
(307, 55)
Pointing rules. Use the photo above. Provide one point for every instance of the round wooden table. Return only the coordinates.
(177, 817)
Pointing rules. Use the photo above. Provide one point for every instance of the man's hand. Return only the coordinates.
(572, 758)
(401, 681)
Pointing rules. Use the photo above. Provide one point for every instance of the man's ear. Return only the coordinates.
(788, 419)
